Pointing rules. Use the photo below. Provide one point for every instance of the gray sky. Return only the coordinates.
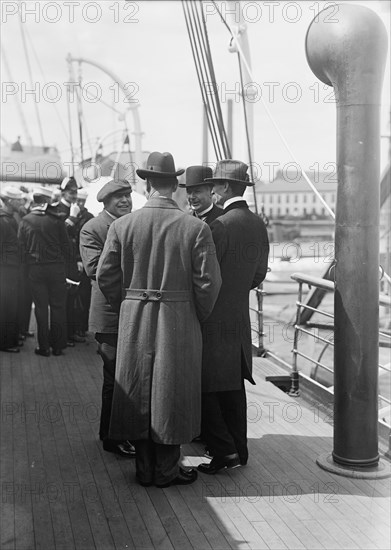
(146, 44)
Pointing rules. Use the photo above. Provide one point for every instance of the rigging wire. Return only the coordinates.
(45, 79)
(248, 139)
(31, 76)
(212, 72)
(282, 137)
(80, 113)
(197, 64)
(276, 127)
(205, 73)
(17, 103)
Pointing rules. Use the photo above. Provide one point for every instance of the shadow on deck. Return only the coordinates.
(60, 490)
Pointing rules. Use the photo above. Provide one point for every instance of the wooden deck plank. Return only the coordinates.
(8, 409)
(42, 519)
(24, 526)
(75, 495)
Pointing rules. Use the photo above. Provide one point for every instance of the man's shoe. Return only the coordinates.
(29, 334)
(185, 477)
(78, 339)
(70, 344)
(144, 483)
(57, 352)
(11, 350)
(220, 463)
(43, 352)
(123, 448)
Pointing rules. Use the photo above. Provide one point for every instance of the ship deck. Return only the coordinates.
(60, 490)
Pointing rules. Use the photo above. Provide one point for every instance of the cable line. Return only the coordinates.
(30, 75)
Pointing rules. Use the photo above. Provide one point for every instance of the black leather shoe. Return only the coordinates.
(78, 339)
(123, 448)
(11, 350)
(220, 463)
(144, 483)
(29, 334)
(57, 352)
(43, 352)
(185, 477)
(70, 344)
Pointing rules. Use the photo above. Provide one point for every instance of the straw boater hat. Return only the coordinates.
(232, 171)
(195, 175)
(10, 192)
(111, 187)
(43, 192)
(159, 165)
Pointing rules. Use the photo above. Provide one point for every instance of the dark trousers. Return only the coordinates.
(107, 349)
(225, 422)
(82, 303)
(9, 326)
(25, 301)
(49, 292)
(156, 463)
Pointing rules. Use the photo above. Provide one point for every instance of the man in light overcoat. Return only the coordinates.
(159, 269)
(103, 320)
(242, 249)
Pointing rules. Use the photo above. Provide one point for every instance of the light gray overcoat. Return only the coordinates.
(168, 261)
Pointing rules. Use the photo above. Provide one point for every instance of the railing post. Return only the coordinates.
(261, 349)
(294, 389)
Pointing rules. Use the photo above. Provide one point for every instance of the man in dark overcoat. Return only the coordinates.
(103, 320)
(242, 249)
(200, 193)
(12, 199)
(159, 268)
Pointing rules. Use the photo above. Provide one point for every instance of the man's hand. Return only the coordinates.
(74, 211)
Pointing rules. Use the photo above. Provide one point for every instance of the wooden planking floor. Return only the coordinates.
(60, 490)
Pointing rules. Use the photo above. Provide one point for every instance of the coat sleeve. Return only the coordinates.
(206, 273)
(219, 235)
(261, 270)
(91, 247)
(109, 272)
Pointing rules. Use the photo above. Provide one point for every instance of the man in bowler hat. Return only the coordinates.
(200, 193)
(242, 249)
(159, 270)
(103, 320)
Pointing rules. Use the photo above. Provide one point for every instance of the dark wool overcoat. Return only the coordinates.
(242, 249)
(167, 259)
(102, 317)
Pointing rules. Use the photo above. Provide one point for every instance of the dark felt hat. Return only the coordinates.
(111, 187)
(195, 175)
(231, 170)
(159, 165)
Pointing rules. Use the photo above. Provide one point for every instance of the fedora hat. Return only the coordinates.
(231, 170)
(159, 165)
(195, 175)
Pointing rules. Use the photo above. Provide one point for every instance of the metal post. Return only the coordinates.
(348, 52)
(294, 389)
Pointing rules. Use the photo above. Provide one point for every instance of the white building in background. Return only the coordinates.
(290, 195)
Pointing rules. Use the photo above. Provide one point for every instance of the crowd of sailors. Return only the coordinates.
(166, 295)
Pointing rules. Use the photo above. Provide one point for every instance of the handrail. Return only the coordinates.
(384, 299)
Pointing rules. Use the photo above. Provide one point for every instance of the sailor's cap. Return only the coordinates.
(10, 192)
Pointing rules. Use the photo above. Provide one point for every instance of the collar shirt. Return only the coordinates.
(232, 200)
